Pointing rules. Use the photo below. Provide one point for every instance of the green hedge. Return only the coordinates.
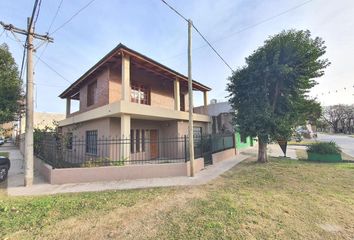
(324, 148)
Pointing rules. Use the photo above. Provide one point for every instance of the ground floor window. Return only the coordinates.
(137, 140)
(69, 140)
(91, 142)
(197, 131)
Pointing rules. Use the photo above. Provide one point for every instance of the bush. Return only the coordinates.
(324, 148)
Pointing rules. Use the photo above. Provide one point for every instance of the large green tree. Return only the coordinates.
(270, 93)
(10, 86)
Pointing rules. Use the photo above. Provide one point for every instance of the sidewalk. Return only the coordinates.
(40, 187)
(274, 150)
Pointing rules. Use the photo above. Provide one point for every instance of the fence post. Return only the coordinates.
(185, 148)
(201, 146)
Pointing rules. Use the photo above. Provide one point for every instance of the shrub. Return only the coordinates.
(324, 148)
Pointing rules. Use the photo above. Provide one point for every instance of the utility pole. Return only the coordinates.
(29, 110)
(29, 93)
(190, 94)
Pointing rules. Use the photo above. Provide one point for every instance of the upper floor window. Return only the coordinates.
(140, 94)
(92, 93)
(182, 103)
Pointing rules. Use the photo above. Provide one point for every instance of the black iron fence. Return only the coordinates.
(68, 151)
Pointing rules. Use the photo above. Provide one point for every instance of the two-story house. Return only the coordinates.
(130, 96)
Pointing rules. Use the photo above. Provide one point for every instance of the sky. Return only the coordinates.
(235, 28)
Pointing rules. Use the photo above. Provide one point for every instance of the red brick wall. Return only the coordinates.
(102, 91)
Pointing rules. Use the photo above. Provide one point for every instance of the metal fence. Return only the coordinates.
(68, 151)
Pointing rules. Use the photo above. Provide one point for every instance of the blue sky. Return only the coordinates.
(151, 28)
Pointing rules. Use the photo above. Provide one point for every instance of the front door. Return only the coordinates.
(154, 145)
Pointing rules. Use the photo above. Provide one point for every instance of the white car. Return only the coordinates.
(2, 141)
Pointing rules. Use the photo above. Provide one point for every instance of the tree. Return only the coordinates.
(269, 94)
(340, 117)
(10, 86)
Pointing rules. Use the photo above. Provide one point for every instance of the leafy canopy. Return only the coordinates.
(269, 94)
(10, 86)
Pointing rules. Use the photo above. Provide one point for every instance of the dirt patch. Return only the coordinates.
(332, 228)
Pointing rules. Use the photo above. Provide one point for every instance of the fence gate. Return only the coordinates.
(207, 150)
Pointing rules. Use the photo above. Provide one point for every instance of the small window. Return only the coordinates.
(69, 140)
(91, 142)
(92, 93)
(197, 131)
(140, 94)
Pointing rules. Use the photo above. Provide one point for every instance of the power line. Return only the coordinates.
(264, 20)
(248, 27)
(72, 17)
(55, 16)
(28, 30)
(49, 28)
(173, 9)
(51, 68)
(208, 43)
(222, 59)
(39, 8)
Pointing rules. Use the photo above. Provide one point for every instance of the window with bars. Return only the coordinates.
(92, 93)
(137, 140)
(140, 94)
(69, 140)
(91, 142)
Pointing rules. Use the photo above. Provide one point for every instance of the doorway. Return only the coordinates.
(154, 144)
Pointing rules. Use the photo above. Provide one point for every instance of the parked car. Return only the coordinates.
(2, 141)
(4, 167)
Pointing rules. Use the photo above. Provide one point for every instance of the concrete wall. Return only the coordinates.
(97, 174)
(214, 109)
(102, 126)
(224, 155)
(115, 173)
(45, 169)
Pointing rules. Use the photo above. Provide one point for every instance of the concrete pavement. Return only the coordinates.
(274, 150)
(345, 142)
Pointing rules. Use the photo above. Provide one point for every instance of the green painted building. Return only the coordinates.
(243, 142)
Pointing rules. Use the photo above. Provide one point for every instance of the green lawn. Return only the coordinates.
(284, 199)
(4, 154)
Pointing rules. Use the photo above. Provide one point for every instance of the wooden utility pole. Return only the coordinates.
(29, 94)
(190, 94)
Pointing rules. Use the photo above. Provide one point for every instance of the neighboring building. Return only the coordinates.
(42, 120)
(128, 95)
(222, 121)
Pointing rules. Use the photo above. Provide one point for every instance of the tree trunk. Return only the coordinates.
(262, 152)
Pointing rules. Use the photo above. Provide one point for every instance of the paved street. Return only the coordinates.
(346, 143)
